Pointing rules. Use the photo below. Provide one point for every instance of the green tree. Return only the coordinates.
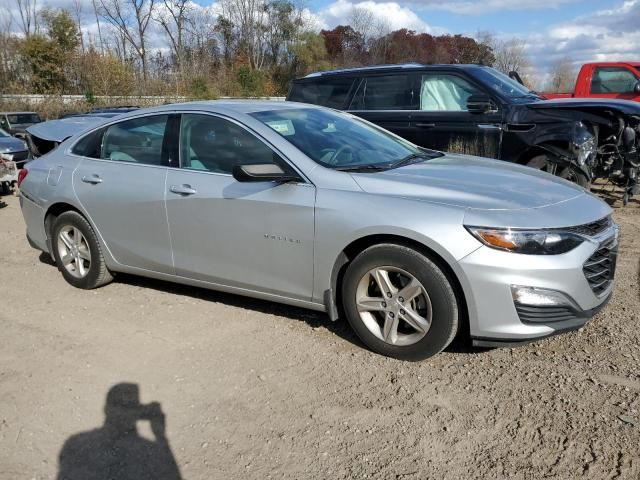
(310, 54)
(62, 29)
(45, 60)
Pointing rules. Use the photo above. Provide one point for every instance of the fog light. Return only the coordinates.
(540, 297)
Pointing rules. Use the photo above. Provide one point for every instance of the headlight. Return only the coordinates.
(528, 242)
(584, 144)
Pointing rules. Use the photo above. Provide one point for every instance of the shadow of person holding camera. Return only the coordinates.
(116, 451)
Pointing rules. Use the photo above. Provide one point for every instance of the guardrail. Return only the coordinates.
(36, 99)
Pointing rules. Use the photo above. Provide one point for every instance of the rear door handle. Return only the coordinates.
(183, 189)
(93, 179)
(426, 125)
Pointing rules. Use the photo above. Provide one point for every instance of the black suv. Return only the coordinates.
(477, 110)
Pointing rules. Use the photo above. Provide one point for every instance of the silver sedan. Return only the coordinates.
(311, 207)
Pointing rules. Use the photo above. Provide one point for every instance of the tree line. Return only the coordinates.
(240, 48)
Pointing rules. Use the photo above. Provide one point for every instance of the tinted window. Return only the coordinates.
(24, 118)
(326, 92)
(138, 140)
(445, 93)
(501, 83)
(89, 145)
(337, 140)
(613, 80)
(213, 144)
(389, 92)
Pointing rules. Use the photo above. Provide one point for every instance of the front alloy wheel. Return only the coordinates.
(399, 302)
(394, 305)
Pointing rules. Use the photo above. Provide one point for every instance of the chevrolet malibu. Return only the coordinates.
(316, 208)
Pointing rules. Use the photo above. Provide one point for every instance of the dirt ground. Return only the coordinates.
(251, 389)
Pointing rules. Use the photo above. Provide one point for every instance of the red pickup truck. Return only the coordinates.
(619, 80)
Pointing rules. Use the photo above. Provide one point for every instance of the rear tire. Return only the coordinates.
(544, 163)
(77, 252)
(374, 288)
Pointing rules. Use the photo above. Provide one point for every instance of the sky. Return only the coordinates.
(582, 30)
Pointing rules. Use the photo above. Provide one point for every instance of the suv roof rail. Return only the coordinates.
(359, 69)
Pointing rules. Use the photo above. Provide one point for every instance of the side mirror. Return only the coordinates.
(480, 103)
(636, 88)
(262, 172)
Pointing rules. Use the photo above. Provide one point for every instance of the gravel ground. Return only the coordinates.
(251, 389)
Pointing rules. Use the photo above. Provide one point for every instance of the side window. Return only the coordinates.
(613, 80)
(213, 144)
(330, 93)
(89, 145)
(388, 92)
(445, 93)
(138, 140)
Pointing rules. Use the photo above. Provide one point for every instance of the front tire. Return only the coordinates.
(77, 252)
(544, 163)
(399, 302)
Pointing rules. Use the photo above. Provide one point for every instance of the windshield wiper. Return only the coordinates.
(363, 168)
(412, 158)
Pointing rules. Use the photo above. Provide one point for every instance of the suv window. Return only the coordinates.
(20, 118)
(213, 144)
(613, 80)
(330, 93)
(445, 93)
(387, 92)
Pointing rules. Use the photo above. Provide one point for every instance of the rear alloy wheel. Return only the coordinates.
(399, 302)
(542, 162)
(77, 252)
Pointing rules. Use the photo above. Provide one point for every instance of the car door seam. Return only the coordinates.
(166, 216)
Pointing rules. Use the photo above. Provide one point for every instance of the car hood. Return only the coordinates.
(626, 107)
(12, 144)
(471, 182)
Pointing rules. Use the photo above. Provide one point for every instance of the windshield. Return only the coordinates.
(19, 118)
(502, 84)
(340, 141)
(3, 133)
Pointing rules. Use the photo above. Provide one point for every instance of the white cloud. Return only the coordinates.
(391, 14)
(611, 34)
(481, 7)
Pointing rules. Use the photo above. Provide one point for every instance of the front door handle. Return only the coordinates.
(183, 189)
(426, 125)
(93, 179)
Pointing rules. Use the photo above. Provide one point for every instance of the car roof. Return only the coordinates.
(230, 107)
(612, 64)
(390, 68)
(17, 113)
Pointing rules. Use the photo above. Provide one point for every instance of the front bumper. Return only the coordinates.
(494, 318)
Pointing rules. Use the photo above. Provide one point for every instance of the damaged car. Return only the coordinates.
(476, 110)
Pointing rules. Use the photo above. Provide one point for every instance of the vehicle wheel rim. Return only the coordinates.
(394, 306)
(74, 251)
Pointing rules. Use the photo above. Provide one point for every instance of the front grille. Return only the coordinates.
(592, 229)
(599, 269)
(544, 314)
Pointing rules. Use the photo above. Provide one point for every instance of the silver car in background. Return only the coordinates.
(316, 208)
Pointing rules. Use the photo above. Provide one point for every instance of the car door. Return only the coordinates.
(443, 122)
(120, 183)
(257, 235)
(387, 101)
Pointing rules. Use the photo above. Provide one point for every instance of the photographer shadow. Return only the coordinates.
(116, 450)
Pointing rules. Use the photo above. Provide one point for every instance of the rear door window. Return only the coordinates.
(138, 140)
(386, 92)
(330, 93)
